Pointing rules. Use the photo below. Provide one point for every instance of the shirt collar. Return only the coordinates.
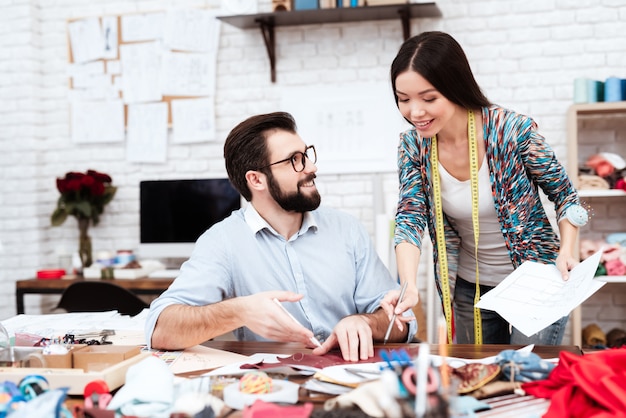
(257, 223)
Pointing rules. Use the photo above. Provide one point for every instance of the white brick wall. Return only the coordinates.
(525, 56)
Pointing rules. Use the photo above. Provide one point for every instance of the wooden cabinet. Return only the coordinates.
(593, 128)
(268, 21)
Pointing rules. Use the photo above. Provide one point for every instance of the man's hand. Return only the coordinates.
(353, 334)
(265, 318)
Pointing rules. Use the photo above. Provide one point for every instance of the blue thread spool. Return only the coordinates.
(614, 89)
(124, 257)
(305, 4)
(595, 91)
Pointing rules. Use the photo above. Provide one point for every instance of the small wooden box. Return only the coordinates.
(94, 358)
(75, 379)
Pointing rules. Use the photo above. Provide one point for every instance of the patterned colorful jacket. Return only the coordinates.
(520, 162)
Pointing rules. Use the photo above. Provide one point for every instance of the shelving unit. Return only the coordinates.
(267, 22)
(594, 117)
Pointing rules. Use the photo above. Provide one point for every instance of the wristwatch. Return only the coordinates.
(577, 215)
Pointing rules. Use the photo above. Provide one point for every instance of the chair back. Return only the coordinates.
(100, 296)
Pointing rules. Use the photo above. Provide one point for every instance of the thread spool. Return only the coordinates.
(614, 89)
(124, 257)
(580, 90)
(595, 91)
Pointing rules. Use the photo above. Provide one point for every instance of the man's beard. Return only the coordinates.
(295, 201)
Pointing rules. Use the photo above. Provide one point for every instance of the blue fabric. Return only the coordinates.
(331, 260)
(523, 366)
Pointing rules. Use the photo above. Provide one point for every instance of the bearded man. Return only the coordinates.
(317, 262)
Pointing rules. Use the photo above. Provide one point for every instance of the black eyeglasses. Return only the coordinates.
(298, 159)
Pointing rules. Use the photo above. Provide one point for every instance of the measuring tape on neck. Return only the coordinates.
(441, 241)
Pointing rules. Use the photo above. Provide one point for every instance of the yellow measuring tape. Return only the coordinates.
(441, 242)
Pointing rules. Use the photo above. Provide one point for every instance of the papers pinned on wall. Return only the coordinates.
(143, 59)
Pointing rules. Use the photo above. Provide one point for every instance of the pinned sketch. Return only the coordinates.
(193, 120)
(86, 40)
(142, 27)
(109, 37)
(147, 133)
(97, 121)
(192, 30)
(93, 67)
(141, 66)
(188, 74)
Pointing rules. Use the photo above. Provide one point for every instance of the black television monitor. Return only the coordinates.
(174, 213)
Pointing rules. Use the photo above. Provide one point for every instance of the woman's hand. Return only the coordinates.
(565, 262)
(391, 305)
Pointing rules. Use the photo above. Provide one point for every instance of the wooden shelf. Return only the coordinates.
(598, 108)
(268, 21)
(575, 114)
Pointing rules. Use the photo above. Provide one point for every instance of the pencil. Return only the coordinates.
(314, 340)
(393, 318)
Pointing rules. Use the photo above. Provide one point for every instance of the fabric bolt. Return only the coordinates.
(331, 261)
(520, 163)
(588, 386)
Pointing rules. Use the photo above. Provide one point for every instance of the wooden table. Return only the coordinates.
(470, 351)
(467, 351)
(141, 286)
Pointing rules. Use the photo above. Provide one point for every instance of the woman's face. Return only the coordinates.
(420, 103)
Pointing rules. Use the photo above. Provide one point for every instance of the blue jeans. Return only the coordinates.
(495, 329)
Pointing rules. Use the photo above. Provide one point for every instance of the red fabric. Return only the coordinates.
(261, 409)
(593, 385)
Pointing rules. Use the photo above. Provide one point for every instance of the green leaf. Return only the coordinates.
(108, 194)
(58, 217)
(83, 208)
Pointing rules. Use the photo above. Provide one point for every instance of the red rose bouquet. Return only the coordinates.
(83, 195)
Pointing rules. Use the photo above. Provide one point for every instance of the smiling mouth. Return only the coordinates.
(309, 182)
(422, 125)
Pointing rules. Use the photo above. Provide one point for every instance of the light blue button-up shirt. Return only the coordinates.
(331, 261)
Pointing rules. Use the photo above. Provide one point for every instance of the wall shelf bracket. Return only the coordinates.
(267, 30)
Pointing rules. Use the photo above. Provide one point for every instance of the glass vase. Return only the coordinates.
(84, 242)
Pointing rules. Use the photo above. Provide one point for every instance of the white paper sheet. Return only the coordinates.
(147, 133)
(86, 40)
(98, 121)
(55, 325)
(142, 27)
(188, 74)
(535, 295)
(193, 120)
(141, 67)
(192, 30)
